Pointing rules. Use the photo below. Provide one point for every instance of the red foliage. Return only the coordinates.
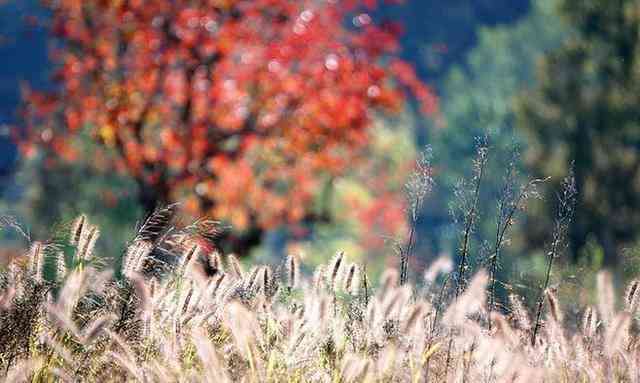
(243, 102)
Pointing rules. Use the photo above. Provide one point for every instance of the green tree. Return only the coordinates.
(584, 111)
(477, 100)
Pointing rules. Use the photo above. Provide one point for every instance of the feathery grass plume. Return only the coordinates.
(142, 292)
(213, 369)
(87, 242)
(135, 256)
(417, 312)
(246, 332)
(156, 224)
(589, 322)
(215, 263)
(351, 281)
(79, 225)
(335, 268)
(293, 269)
(318, 278)
(61, 267)
(22, 370)
(36, 259)
(188, 329)
(394, 301)
(365, 284)
(322, 309)
(12, 222)
(62, 320)
(6, 297)
(606, 296)
(388, 280)
(554, 308)
(208, 230)
(472, 301)
(505, 330)
(266, 280)
(214, 285)
(187, 299)
(185, 262)
(235, 266)
(616, 333)
(95, 328)
(441, 265)
(250, 280)
(353, 369)
(519, 313)
(632, 295)
(74, 287)
(297, 332)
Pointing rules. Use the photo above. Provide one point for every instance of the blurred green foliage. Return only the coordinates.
(51, 193)
(580, 62)
(584, 111)
(477, 101)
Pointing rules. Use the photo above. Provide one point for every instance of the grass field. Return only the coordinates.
(177, 312)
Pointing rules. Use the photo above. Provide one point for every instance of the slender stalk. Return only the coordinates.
(470, 220)
(419, 184)
(438, 307)
(406, 252)
(505, 221)
(365, 284)
(563, 219)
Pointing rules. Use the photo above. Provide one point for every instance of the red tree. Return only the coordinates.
(237, 106)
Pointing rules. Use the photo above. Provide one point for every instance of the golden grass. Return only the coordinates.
(201, 317)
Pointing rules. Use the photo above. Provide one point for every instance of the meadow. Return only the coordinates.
(179, 311)
(330, 248)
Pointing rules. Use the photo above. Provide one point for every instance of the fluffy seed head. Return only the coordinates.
(87, 242)
(388, 280)
(215, 263)
(632, 296)
(318, 278)
(554, 307)
(293, 269)
(36, 258)
(589, 322)
(266, 280)
(235, 266)
(335, 267)
(77, 229)
(351, 284)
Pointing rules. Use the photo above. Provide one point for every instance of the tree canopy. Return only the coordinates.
(241, 108)
(583, 113)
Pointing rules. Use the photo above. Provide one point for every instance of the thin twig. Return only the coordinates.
(563, 219)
